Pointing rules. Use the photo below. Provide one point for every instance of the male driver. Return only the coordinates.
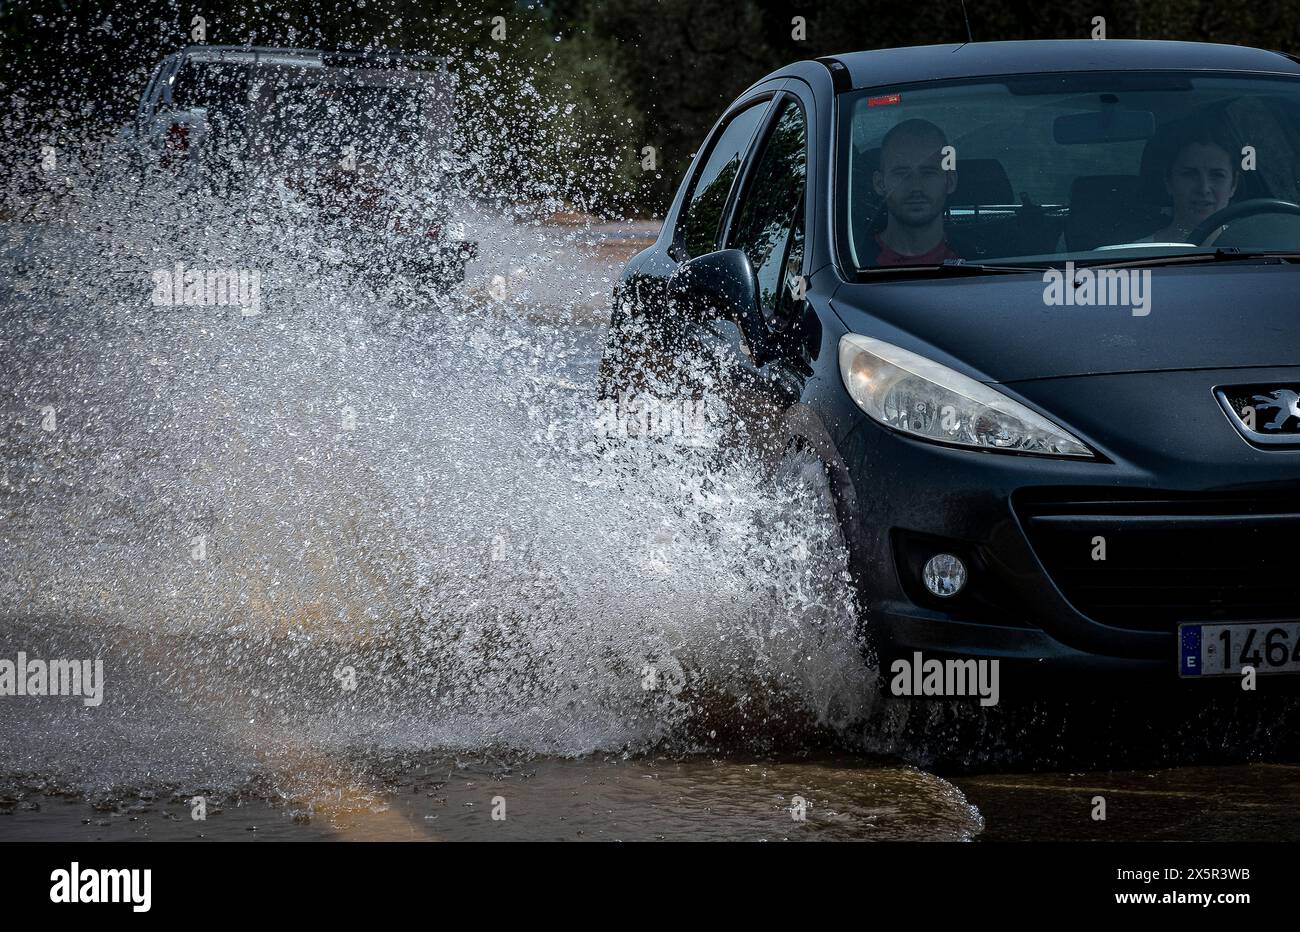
(915, 186)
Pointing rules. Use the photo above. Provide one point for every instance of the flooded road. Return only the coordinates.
(597, 798)
(607, 798)
(358, 570)
(1256, 802)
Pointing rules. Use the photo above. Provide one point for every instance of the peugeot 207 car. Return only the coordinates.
(1032, 307)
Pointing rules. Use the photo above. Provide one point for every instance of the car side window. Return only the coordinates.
(769, 222)
(701, 220)
(149, 99)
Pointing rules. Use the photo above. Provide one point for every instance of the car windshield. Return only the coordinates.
(296, 112)
(370, 117)
(1094, 167)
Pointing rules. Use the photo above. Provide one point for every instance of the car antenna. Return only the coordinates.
(969, 36)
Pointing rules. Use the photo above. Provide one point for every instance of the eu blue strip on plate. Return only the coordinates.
(1189, 644)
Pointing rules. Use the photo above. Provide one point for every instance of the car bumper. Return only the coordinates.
(1210, 523)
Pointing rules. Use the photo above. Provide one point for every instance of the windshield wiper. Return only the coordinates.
(1225, 254)
(949, 267)
(959, 267)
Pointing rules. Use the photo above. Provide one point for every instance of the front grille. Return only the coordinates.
(1267, 414)
(1169, 557)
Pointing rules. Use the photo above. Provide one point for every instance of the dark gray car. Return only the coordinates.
(1031, 307)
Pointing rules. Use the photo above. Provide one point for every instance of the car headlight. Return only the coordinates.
(918, 396)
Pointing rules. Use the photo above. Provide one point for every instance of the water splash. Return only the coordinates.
(373, 520)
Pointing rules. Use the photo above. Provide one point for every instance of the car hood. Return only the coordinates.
(999, 328)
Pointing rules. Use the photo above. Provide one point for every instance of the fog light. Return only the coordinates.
(944, 575)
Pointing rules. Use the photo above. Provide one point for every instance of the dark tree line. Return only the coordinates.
(611, 76)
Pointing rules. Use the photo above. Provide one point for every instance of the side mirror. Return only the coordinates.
(721, 286)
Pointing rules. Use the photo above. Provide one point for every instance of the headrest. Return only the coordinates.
(981, 181)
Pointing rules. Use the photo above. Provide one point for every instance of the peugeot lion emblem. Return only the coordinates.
(1284, 401)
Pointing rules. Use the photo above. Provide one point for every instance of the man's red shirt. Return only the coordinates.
(935, 256)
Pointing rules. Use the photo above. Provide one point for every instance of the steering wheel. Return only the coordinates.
(1250, 208)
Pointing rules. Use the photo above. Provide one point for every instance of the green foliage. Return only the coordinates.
(581, 86)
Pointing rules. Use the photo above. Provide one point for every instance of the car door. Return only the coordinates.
(648, 342)
(767, 222)
(151, 98)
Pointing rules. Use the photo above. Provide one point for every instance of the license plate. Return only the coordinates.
(1222, 650)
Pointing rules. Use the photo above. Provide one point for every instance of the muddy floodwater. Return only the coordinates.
(604, 798)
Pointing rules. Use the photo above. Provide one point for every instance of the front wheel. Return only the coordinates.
(821, 507)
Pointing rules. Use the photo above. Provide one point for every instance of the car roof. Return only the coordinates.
(886, 67)
(306, 58)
